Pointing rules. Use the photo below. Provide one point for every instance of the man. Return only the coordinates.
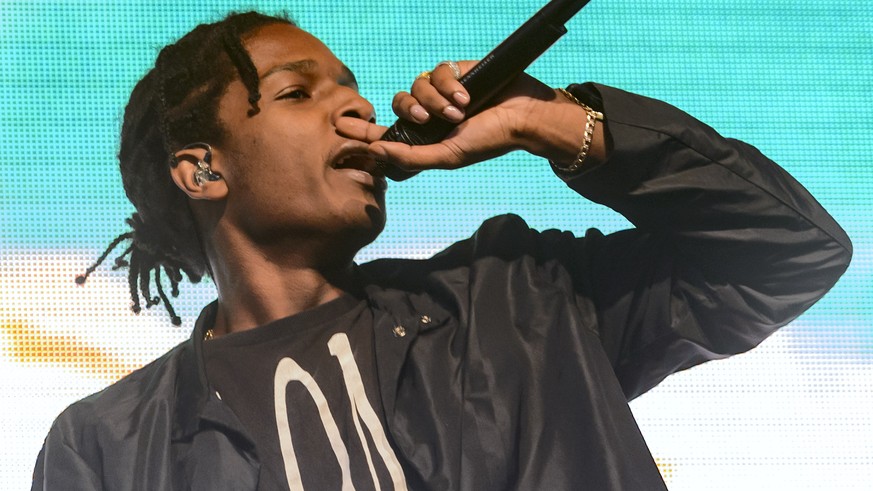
(505, 362)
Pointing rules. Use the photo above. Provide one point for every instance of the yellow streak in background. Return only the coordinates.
(31, 345)
(667, 468)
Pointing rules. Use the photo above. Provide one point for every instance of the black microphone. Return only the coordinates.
(489, 76)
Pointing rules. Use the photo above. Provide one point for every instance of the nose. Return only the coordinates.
(353, 105)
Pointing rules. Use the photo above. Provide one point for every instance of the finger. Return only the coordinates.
(445, 78)
(418, 157)
(435, 103)
(407, 107)
(358, 129)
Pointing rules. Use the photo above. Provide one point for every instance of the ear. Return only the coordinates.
(189, 161)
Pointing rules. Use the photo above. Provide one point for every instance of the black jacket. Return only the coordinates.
(519, 375)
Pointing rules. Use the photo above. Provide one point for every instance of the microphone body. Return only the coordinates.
(494, 72)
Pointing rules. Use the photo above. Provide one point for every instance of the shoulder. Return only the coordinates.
(101, 436)
(123, 403)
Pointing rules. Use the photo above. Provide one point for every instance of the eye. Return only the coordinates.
(297, 94)
(294, 94)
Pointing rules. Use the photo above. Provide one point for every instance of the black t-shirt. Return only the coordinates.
(305, 389)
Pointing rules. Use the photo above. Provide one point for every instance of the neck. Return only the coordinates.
(256, 286)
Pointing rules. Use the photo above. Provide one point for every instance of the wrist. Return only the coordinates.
(551, 128)
(587, 148)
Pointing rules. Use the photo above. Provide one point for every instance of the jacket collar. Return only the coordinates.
(192, 390)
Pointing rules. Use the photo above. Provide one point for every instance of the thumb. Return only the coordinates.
(442, 155)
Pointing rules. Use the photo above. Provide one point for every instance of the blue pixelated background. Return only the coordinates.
(792, 77)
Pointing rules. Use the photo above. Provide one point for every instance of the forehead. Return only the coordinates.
(278, 44)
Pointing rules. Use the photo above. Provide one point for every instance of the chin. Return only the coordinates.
(376, 217)
(365, 230)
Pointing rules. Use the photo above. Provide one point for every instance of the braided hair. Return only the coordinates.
(174, 104)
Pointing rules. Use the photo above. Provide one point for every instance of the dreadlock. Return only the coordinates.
(174, 104)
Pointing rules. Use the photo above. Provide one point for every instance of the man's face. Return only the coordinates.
(289, 174)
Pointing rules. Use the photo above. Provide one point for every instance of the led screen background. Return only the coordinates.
(792, 77)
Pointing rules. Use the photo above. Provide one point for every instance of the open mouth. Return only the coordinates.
(360, 161)
(361, 167)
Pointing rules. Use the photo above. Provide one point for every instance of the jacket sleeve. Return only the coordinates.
(63, 463)
(727, 247)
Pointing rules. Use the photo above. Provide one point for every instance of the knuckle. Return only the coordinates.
(456, 153)
(397, 101)
(421, 82)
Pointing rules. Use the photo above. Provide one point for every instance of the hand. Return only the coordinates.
(527, 115)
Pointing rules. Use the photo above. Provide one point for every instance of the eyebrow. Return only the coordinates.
(347, 78)
(294, 66)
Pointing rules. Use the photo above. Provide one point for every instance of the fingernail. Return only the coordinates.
(452, 113)
(419, 113)
(461, 98)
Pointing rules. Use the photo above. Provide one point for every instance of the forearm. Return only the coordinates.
(668, 171)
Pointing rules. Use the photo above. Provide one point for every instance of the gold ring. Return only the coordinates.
(425, 74)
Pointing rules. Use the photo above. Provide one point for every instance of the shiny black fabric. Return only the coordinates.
(519, 376)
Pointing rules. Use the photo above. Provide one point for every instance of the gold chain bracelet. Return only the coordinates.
(592, 117)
